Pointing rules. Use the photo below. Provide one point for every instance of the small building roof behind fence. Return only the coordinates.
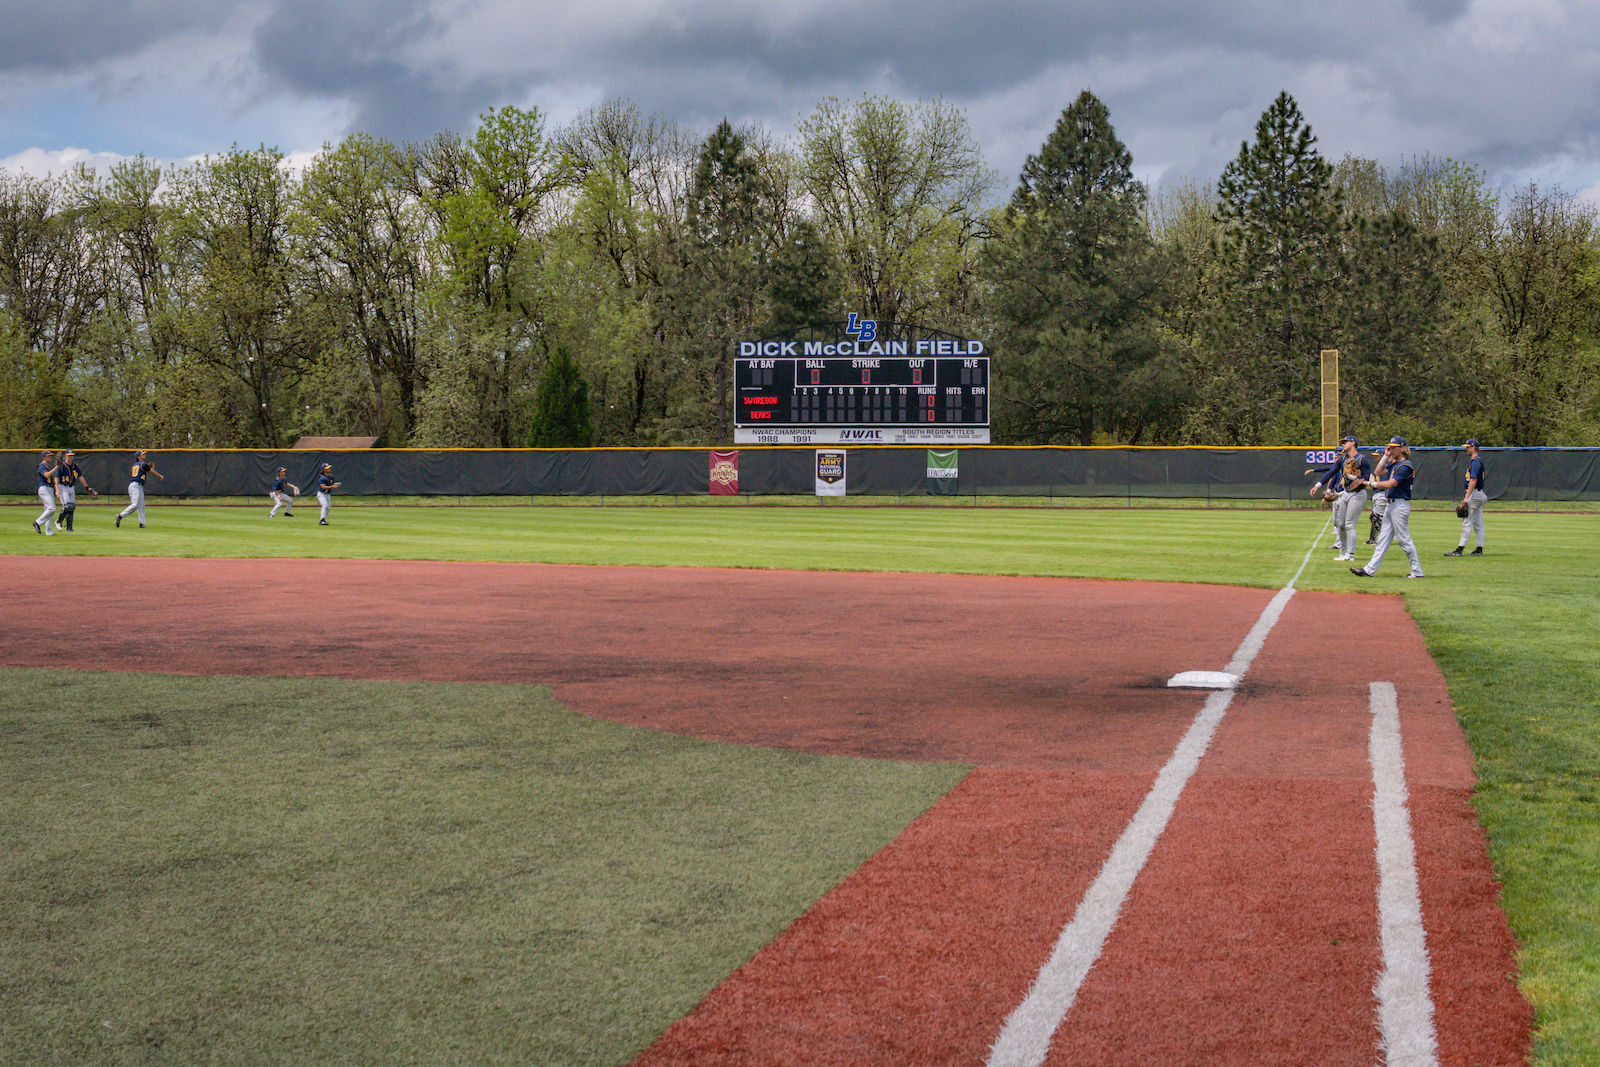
(335, 442)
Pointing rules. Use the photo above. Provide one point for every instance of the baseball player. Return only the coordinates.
(325, 487)
(1328, 486)
(68, 475)
(142, 469)
(47, 493)
(1473, 500)
(1396, 486)
(1380, 460)
(1355, 473)
(283, 494)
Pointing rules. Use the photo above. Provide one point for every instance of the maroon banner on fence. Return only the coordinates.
(724, 473)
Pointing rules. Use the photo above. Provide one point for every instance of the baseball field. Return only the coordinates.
(795, 785)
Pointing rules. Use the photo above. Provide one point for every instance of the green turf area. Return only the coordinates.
(1513, 631)
(226, 870)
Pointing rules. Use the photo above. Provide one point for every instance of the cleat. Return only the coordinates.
(1416, 576)
(1359, 573)
(1457, 552)
(322, 522)
(119, 522)
(1477, 551)
(141, 526)
(36, 526)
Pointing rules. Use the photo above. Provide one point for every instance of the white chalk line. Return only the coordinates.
(1405, 1004)
(1025, 1038)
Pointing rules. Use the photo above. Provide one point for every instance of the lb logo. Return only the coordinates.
(862, 329)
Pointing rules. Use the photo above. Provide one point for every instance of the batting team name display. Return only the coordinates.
(862, 399)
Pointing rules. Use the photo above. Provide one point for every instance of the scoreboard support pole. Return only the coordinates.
(1330, 398)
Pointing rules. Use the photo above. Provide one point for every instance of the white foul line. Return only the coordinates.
(1405, 1005)
(1025, 1038)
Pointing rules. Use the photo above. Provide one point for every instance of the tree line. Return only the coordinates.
(588, 285)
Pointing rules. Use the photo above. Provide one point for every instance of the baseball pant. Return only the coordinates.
(1379, 502)
(325, 502)
(48, 495)
(1396, 527)
(281, 500)
(1473, 523)
(1346, 513)
(135, 502)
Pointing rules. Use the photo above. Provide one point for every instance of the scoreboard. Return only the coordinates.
(934, 400)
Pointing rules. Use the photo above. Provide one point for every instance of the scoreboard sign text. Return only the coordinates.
(936, 393)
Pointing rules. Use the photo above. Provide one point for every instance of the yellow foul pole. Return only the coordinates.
(1330, 398)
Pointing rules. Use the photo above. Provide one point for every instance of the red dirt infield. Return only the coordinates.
(1250, 937)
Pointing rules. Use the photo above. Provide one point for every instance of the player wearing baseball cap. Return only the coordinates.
(1355, 474)
(142, 469)
(47, 493)
(325, 487)
(1396, 485)
(282, 494)
(68, 475)
(1474, 500)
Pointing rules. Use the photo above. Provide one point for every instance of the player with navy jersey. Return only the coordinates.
(282, 494)
(1355, 474)
(1476, 496)
(68, 475)
(325, 487)
(142, 469)
(47, 492)
(1328, 483)
(1396, 486)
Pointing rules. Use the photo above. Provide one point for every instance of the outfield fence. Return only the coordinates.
(1514, 474)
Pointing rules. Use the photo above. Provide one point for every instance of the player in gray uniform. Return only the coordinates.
(325, 487)
(1328, 485)
(282, 494)
(1396, 485)
(68, 475)
(47, 492)
(142, 469)
(1380, 462)
(1474, 499)
(1355, 473)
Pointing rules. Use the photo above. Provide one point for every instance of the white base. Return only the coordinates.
(1203, 680)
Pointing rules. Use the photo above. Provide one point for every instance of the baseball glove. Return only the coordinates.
(294, 490)
(1329, 496)
(1462, 511)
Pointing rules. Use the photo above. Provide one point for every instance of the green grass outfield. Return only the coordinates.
(261, 870)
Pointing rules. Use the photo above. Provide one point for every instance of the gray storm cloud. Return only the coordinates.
(1506, 83)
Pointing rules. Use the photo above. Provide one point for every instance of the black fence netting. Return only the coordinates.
(1514, 474)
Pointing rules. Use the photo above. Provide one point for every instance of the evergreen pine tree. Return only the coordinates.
(1282, 234)
(712, 296)
(1076, 290)
(561, 417)
(803, 288)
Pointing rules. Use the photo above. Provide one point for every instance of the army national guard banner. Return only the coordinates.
(830, 472)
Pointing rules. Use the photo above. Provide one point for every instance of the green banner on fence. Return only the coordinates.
(944, 472)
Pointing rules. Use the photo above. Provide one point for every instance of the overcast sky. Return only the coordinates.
(1510, 85)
